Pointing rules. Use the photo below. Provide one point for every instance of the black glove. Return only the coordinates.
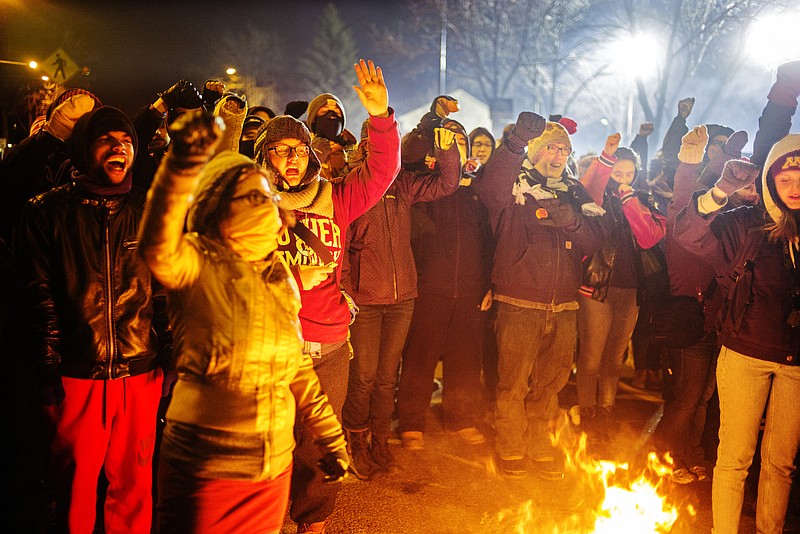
(182, 95)
(195, 135)
(529, 126)
(296, 108)
(334, 464)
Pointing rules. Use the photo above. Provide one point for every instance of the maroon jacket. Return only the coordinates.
(379, 265)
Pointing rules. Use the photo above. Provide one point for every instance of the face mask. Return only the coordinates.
(248, 148)
(253, 232)
(329, 125)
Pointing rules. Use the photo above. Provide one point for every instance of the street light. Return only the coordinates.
(772, 39)
(230, 71)
(33, 65)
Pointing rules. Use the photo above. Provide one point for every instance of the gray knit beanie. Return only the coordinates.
(315, 105)
(285, 127)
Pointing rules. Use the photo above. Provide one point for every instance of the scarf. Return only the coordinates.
(316, 198)
(529, 183)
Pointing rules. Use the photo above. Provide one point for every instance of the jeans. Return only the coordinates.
(689, 382)
(450, 329)
(312, 499)
(536, 348)
(604, 329)
(377, 335)
(746, 385)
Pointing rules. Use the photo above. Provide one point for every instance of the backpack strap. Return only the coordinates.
(303, 232)
(744, 262)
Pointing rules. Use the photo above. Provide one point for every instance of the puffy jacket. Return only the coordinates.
(379, 265)
(241, 370)
(92, 295)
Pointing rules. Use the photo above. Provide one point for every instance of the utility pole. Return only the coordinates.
(443, 52)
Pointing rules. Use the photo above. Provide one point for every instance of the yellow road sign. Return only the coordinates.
(59, 66)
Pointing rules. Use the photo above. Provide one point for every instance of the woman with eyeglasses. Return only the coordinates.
(612, 280)
(481, 142)
(226, 455)
(326, 210)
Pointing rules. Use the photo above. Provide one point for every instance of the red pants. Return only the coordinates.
(83, 445)
(191, 505)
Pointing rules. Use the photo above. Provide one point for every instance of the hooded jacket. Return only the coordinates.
(758, 328)
(328, 210)
(242, 376)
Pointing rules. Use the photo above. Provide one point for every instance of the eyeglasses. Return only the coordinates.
(481, 145)
(257, 198)
(716, 142)
(283, 151)
(555, 149)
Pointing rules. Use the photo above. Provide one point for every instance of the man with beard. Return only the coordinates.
(91, 301)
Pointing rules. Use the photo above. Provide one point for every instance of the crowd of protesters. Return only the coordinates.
(212, 313)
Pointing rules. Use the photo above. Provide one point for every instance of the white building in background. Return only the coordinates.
(474, 112)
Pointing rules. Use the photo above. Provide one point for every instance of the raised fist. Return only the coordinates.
(195, 135)
(443, 138)
(529, 126)
(736, 175)
(66, 114)
(612, 143)
(182, 95)
(685, 106)
(735, 143)
(693, 145)
(212, 91)
(646, 128)
(444, 105)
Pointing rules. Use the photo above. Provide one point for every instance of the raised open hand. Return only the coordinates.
(372, 91)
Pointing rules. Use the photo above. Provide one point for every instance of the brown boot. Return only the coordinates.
(382, 455)
(361, 462)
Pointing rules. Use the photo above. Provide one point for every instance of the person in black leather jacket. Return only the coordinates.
(91, 300)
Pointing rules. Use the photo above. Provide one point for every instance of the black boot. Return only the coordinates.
(361, 463)
(382, 455)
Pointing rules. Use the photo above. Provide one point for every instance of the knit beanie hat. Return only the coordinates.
(784, 155)
(318, 103)
(90, 127)
(223, 168)
(553, 133)
(285, 127)
(718, 129)
(64, 95)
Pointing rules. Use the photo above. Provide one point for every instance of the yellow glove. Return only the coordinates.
(693, 145)
(443, 138)
(64, 117)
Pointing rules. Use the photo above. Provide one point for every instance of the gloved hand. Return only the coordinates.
(444, 105)
(182, 95)
(212, 91)
(443, 138)
(195, 135)
(646, 128)
(612, 144)
(562, 215)
(693, 145)
(233, 102)
(685, 106)
(66, 114)
(786, 88)
(335, 465)
(732, 149)
(736, 175)
(529, 126)
(570, 125)
(296, 108)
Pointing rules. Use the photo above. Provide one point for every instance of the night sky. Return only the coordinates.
(135, 49)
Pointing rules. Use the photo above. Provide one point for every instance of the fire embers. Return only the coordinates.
(600, 495)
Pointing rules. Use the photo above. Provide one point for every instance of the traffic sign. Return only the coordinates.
(59, 66)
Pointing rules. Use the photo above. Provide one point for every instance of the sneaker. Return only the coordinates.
(549, 468)
(683, 476)
(318, 527)
(412, 440)
(514, 468)
(471, 436)
(699, 472)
